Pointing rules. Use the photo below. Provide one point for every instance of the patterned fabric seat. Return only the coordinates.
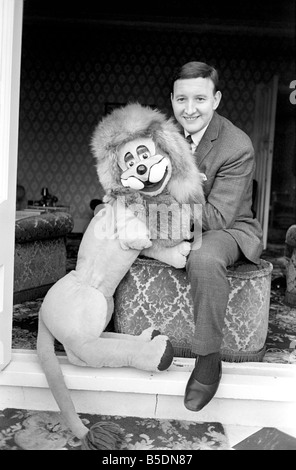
(155, 294)
(40, 253)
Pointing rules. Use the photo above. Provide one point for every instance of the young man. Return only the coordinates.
(225, 154)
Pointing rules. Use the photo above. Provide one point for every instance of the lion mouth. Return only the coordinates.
(152, 187)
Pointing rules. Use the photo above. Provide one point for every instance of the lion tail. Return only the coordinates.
(102, 435)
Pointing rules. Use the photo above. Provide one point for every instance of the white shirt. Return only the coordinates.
(196, 137)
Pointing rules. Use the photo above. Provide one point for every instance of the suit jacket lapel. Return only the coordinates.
(209, 136)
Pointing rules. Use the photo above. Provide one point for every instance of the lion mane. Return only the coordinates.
(136, 121)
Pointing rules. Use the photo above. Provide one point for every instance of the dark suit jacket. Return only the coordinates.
(225, 155)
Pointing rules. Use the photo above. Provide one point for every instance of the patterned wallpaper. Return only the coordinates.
(69, 73)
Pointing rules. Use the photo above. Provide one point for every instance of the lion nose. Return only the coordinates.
(141, 170)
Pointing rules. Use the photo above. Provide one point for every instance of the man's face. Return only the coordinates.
(194, 103)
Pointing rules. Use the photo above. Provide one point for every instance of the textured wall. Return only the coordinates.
(69, 73)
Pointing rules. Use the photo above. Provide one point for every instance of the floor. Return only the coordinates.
(44, 430)
(253, 438)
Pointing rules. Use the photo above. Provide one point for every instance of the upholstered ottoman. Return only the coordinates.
(155, 294)
(40, 253)
(290, 296)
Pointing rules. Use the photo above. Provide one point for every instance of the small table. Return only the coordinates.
(49, 208)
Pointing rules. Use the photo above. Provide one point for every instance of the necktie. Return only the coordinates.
(190, 141)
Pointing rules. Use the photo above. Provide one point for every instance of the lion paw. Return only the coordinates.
(178, 255)
(149, 334)
(156, 355)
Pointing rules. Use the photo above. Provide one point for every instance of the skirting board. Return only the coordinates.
(250, 394)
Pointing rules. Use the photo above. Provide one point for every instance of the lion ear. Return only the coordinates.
(107, 168)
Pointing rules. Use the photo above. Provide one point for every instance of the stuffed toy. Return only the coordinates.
(142, 161)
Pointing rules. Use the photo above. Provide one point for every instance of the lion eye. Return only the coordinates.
(143, 152)
(129, 159)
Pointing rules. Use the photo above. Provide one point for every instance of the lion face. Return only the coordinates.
(142, 168)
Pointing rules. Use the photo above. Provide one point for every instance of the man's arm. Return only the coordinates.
(230, 190)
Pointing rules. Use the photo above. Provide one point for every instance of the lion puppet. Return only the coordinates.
(142, 161)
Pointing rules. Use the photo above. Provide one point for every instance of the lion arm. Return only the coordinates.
(132, 232)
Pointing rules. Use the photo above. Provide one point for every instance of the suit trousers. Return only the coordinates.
(207, 268)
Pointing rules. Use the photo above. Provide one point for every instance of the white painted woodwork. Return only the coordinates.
(250, 394)
(11, 12)
(263, 139)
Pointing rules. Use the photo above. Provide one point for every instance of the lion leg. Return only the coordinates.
(146, 335)
(154, 355)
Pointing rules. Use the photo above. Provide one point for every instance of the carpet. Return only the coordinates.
(281, 337)
(44, 430)
(267, 439)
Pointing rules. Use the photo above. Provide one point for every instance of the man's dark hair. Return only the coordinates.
(195, 70)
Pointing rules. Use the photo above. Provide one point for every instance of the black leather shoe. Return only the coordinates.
(198, 395)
